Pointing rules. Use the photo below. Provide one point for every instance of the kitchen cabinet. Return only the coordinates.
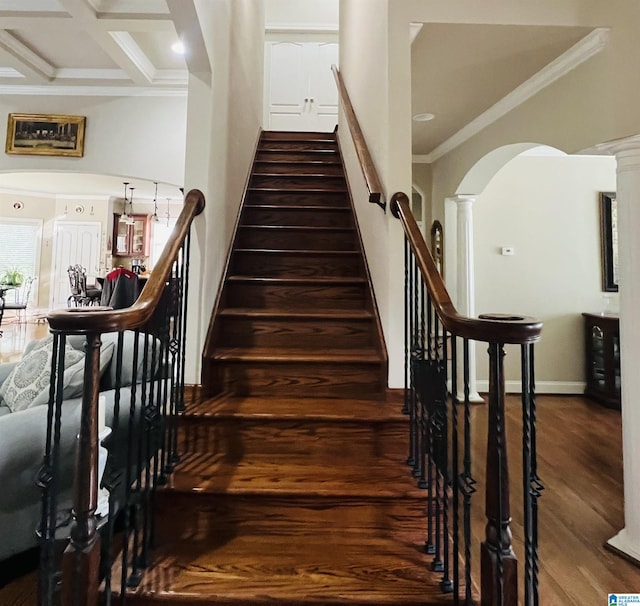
(131, 240)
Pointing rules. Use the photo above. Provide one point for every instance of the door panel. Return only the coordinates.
(73, 243)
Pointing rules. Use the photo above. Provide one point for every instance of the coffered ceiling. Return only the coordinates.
(90, 47)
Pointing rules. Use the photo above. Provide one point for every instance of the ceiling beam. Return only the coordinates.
(33, 67)
(185, 16)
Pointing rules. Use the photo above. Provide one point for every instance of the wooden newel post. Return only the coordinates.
(498, 563)
(81, 560)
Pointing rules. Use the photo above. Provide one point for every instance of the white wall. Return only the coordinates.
(224, 121)
(137, 137)
(375, 54)
(296, 13)
(547, 209)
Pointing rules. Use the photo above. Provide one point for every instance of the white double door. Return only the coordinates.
(300, 90)
(74, 243)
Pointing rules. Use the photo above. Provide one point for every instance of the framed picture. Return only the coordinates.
(45, 135)
(609, 237)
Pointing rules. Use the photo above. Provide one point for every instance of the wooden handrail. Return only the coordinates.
(495, 328)
(374, 184)
(82, 320)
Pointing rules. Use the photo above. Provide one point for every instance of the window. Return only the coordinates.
(160, 235)
(20, 249)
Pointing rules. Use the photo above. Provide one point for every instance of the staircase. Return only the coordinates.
(292, 487)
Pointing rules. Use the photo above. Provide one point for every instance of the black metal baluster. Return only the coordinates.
(532, 485)
(422, 447)
(435, 439)
(467, 481)
(133, 491)
(430, 543)
(175, 357)
(411, 460)
(407, 335)
(455, 471)
(446, 584)
(164, 396)
(50, 576)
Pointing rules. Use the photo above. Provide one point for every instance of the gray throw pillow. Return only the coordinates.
(28, 383)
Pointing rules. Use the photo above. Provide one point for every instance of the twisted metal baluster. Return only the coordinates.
(446, 585)
(467, 481)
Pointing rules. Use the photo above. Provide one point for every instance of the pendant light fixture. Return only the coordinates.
(154, 216)
(124, 218)
(131, 221)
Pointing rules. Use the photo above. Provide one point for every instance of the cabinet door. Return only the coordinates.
(139, 236)
(121, 242)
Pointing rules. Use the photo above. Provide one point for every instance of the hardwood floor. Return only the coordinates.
(17, 335)
(580, 459)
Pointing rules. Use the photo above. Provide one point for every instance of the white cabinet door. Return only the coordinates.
(300, 92)
(74, 243)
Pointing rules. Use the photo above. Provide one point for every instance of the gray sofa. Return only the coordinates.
(23, 438)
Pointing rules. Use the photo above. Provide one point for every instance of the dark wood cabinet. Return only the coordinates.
(131, 240)
(602, 358)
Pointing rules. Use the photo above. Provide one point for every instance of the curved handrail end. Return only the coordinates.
(398, 197)
(199, 200)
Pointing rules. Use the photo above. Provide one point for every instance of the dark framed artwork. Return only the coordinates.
(45, 135)
(609, 239)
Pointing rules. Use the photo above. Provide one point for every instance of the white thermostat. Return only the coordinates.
(507, 250)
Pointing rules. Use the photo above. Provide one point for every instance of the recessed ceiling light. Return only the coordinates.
(423, 117)
(178, 48)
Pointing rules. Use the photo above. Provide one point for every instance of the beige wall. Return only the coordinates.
(301, 13)
(49, 210)
(120, 132)
(223, 125)
(547, 209)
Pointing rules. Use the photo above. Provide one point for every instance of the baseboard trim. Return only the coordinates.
(550, 387)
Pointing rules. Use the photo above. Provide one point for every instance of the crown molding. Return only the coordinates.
(93, 91)
(301, 28)
(580, 52)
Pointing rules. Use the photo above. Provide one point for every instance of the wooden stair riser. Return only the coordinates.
(302, 216)
(309, 156)
(299, 182)
(296, 296)
(291, 238)
(299, 146)
(323, 443)
(275, 264)
(297, 198)
(213, 516)
(297, 333)
(299, 378)
(274, 167)
(279, 135)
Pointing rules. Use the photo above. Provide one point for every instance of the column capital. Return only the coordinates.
(463, 198)
(618, 146)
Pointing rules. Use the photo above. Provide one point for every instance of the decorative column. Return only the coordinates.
(627, 152)
(465, 284)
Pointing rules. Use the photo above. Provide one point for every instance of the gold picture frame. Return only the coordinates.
(45, 135)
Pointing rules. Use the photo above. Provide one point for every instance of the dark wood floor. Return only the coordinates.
(582, 505)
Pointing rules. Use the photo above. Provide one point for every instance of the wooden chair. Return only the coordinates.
(81, 296)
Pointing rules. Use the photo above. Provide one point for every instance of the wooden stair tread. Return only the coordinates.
(319, 280)
(298, 228)
(284, 475)
(280, 354)
(328, 570)
(300, 207)
(338, 314)
(321, 162)
(296, 251)
(314, 409)
(298, 190)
